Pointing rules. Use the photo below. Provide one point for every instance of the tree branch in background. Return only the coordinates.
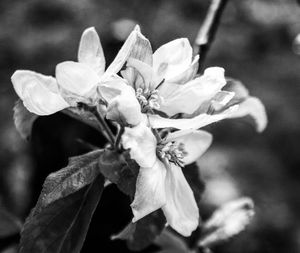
(208, 30)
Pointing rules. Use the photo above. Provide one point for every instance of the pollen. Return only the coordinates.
(148, 100)
(173, 151)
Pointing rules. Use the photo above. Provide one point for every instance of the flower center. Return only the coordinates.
(148, 100)
(173, 151)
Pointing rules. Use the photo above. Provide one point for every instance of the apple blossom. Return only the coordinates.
(165, 82)
(161, 183)
(75, 81)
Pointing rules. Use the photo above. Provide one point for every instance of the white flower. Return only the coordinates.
(81, 79)
(161, 183)
(172, 77)
(75, 81)
(165, 84)
(130, 106)
(39, 93)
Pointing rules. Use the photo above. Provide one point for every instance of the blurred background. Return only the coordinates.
(255, 43)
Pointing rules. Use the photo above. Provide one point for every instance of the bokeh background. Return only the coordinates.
(255, 43)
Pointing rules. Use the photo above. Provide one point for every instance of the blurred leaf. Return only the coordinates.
(227, 221)
(61, 218)
(23, 119)
(193, 177)
(169, 242)
(142, 233)
(119, 169)
(9, 224)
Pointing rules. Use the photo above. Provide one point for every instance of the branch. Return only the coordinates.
(208, 30)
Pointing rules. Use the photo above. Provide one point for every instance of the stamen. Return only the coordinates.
(173, 151)
(148, 100)
(162, 81)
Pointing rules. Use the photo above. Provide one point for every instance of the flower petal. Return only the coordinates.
(142, 144)
(172, 58)
(150, 190)
(193, 123)
(39, 92)
(253, 107)
(239, 89)
(220, 102)
(112, 87)
(141, 51)
(188, 74)
(90, 51)
(125, 108)
(122, 55)
(187, 98)
(76, 78)
(145, 72)
(181, 210)
(196, 142)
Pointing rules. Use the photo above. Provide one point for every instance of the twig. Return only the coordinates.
(110, 135)
(208, 30)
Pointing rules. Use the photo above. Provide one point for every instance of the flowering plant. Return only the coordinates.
(157, 103)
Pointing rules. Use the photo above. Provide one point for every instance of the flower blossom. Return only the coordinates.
(75, 81)
(160, 182)
(164, 84)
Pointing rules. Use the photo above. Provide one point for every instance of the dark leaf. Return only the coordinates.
(119, 169)
(61, 218)
(9, 224)
(141, 234)
(23, 119)
(171, 243)
(81, 171)
(84, 116)
(192, 175)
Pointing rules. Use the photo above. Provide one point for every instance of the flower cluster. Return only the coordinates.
(159, 101)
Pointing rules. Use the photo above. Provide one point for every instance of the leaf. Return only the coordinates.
(61, 218)
(193, 177)
(23, 119)
(9, 224)
(84, 116)
(119, 169)
(171, 243)
(227, 221)
(81, 171)
(142, 233)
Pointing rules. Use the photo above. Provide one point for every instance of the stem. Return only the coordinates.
(156, 134)
(110, 135)
(208, 30)
(118, 139)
